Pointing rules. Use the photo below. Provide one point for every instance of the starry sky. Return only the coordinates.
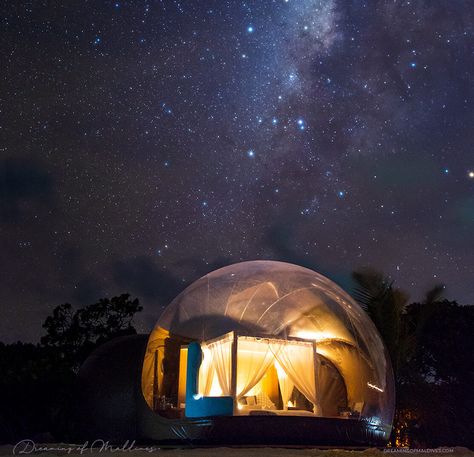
(145, 143)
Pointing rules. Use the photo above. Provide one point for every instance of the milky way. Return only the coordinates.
(146, 143)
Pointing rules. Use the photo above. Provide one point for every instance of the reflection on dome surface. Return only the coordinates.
(278, 339)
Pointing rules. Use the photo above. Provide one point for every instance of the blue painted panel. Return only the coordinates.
(196, 405)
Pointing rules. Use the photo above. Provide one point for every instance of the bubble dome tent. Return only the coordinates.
(267, 352)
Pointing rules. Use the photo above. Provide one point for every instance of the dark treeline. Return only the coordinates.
(430, 343)
(431, 346)
(37, 380)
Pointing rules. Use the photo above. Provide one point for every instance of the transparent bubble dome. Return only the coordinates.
(285, 301)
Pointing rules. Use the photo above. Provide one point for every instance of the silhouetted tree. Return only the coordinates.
(431, 348)
(33, 386)
(76, 333)
(36, 379)
(385, 305)
(440, 383)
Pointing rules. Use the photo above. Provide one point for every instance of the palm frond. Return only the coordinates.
(371, 287)
(435, 294)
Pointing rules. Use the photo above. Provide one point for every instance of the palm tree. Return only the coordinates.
(385, 304)
(402, 333)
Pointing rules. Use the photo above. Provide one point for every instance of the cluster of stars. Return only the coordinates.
(165, 138)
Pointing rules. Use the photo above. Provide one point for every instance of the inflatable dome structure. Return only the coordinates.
(262, 353)
(273, 343)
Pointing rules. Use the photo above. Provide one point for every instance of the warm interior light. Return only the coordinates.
(316, 336)
(373, 386)
(290, 404)
(216, 390)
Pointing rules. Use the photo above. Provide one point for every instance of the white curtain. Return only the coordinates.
(286, 385)
(297, 360)
(206, 372)
(254, 357)
(221, 354)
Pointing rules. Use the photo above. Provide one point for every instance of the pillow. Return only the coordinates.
(251, 400)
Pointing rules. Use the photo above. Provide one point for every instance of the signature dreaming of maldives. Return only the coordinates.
(29, 446)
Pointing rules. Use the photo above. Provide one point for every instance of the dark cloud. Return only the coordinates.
(25, 186)
(143, 278)
(280, 238)
(88, 290)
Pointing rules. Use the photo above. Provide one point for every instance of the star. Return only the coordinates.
(173, 105)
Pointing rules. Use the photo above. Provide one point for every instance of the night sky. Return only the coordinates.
(146, 143)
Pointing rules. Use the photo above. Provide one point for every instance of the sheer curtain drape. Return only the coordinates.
(253, 360)
(294, 362)
(221, 353)
(297, 360)
(206, 372)
(286, 385)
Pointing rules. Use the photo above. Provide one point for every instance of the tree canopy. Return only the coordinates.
(37, 379)
(75, 333)
(430, 344)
